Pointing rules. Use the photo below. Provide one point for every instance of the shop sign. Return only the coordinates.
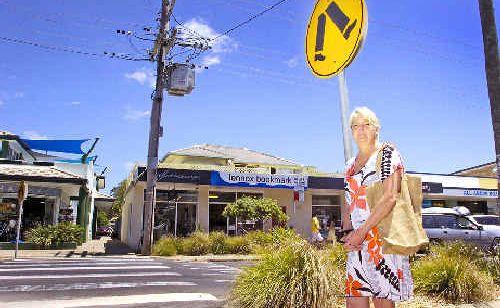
(432, 187)
(32, 190)
(474, 192)
(292, 181)
(481, 193)
(178, 175)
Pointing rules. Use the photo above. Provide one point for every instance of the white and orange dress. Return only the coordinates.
(371, 272)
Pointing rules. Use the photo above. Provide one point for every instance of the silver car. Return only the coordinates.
(445, 224)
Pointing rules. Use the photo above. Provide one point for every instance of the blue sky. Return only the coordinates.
(421, 70)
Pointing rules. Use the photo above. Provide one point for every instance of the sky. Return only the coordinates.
(421, 69)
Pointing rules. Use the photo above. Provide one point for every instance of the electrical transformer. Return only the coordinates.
(181, 80)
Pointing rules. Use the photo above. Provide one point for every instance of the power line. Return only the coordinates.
(250, 19)
(104, 54)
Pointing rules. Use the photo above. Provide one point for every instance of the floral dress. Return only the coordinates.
(370, 272)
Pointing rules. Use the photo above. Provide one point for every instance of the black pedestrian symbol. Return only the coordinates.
(340, 19)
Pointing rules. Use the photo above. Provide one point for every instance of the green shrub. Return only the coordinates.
(259, 238)
(64, 232)
(238, 245)
(198, 243)
(451, 272)
(218, 243)
(166, 246)
(295, 275)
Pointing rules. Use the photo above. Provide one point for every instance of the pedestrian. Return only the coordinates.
(332, 238)
(371, 273)
(315, 228)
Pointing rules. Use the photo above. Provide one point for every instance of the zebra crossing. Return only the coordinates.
(113, 281)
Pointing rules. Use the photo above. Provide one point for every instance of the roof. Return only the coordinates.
(5, 133)
(487, 169)
(18, 172)
(100, 196)
(238, 155)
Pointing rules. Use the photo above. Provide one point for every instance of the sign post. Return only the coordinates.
(335, 34)
(22, 193)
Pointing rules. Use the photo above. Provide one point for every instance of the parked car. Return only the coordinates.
(446, 224)
(104, 231)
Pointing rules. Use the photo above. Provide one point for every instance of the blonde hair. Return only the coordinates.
(366, 113)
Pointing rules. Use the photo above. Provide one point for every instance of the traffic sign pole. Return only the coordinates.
(344, 110)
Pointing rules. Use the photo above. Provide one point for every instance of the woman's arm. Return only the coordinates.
(391, 186)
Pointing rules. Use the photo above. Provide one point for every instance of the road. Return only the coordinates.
(124, 281)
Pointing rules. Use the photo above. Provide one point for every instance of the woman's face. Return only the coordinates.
(363, 132)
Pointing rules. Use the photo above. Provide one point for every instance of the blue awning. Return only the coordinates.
(64, 146)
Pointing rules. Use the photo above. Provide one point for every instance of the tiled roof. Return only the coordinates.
(37, 173)
(238, 155)
(100, 196)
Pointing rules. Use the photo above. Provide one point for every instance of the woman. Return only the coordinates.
(386, 278)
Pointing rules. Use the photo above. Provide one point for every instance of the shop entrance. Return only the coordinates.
(175, 213)
(33, 213)
(327, 209)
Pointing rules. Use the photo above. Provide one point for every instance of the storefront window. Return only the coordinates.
(175, 213)
(217, 203)
(327, 209)
(8, 219)
(475, 207)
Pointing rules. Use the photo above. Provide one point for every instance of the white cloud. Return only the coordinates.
(223, 44)
(31, 134)
(75, 103)
(293, 62)
(142, 76)
(2, 102)
(210, 60)
(134, 115)
(19, 94)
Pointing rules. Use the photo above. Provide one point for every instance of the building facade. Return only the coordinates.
(195, 184)
(58, 190)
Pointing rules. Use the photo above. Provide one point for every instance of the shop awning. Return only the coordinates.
(64, 146)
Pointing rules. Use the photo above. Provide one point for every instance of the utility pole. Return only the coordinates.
(163, 44)
(492, 68)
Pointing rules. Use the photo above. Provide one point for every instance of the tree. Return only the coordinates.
(118, 193)
(102, 219)
(251, 208)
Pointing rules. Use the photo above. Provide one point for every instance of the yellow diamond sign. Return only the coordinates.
(335, 34)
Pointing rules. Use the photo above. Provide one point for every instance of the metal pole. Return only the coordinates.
(162, 47)
(175, 222)
(18, 231)
(344, 109)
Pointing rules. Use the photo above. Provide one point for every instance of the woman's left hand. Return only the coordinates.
(357, 238)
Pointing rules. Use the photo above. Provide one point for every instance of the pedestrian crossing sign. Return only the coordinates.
(335, 34)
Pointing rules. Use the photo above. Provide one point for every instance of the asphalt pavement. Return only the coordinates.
(112, 281)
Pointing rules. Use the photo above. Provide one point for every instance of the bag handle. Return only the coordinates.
(378, 164)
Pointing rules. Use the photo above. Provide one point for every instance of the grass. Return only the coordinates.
(294, 275)
(454, 273)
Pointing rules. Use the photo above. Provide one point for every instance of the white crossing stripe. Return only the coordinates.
(91, 286)
(73, 264)
(140, 274)
(115, 300)
(84, 268)
(224, 280)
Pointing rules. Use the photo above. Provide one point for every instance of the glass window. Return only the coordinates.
(428, 222)
(222, 197)
(446, 221)
(328, 216)
(488, 220)
(464, 222)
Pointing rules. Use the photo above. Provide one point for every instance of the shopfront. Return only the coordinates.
(190, 198)
(44, 205)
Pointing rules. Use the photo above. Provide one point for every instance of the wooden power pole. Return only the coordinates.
(163, 44)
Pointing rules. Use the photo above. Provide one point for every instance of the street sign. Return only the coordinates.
(335, 34)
